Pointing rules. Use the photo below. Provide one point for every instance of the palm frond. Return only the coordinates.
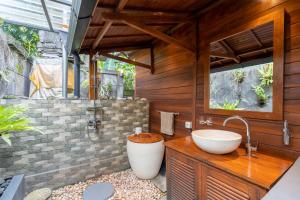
(13, 119)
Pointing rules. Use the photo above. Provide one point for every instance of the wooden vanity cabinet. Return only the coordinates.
(190, 179)
(217, 184)
(182, 177)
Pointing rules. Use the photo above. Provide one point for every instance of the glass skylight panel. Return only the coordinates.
(31, 13)
(59, 15)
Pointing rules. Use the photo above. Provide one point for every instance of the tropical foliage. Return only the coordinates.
(266, 80)
(239, 75)
(260, 93)
(28, 37)
(106, 90)
(19, 68)
(12, 119)
(266, 75)
(126, 69)
(229, 106)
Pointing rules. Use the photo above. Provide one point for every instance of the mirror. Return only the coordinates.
(241, 70)
(244, 69)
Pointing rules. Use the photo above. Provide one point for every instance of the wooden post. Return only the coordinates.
(92, 78)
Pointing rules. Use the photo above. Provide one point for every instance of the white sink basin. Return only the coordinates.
(216, 141)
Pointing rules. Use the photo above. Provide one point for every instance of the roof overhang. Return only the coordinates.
(127, 24)
(81, 13)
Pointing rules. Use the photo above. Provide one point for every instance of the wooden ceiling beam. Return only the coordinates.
(174, 28)
(119, 36)
(247, 53)
(117, 48)
(226, 47)
(148, 30)
(108, 55)
(124, 48)
(158, 23)
(144, 18)
(144, 12)
(256, 38)
(195, 15)
(162, 36)
(158, 17)
(121, 5)
(230, 51)
(108, 24)
(209, 7)
(264, 50)
(162, 24)
(228, 56)
(101, 34)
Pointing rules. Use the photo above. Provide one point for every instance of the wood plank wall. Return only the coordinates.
(171, 87)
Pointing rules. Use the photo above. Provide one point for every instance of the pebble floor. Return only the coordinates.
(127, 187)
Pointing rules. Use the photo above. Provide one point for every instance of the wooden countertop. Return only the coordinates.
(262, 170)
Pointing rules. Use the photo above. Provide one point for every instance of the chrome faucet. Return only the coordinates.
(249, 148)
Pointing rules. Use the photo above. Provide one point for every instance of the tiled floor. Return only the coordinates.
(127, 187)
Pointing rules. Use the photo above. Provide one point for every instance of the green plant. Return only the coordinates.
(9, 97)
(85, 83)
(239, 75)
(106, 90)
(260, 93)
(27, 36)
(229, 106)
(127, 70)
(19, 68)
(266, 74)
(12, 119)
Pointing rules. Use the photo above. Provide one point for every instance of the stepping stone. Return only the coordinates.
(98, 191)
(40, 194)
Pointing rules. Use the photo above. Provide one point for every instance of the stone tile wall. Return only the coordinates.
(66, 153)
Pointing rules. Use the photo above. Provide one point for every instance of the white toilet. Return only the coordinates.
(145, 154)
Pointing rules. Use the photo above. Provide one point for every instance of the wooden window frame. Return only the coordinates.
(277, 17)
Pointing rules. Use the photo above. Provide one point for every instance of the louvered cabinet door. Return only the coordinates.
(218, 185)
(182, 175)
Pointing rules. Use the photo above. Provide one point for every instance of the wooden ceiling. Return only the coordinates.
(118, 24)
(244, 46)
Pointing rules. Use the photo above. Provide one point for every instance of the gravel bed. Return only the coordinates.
(127, 187)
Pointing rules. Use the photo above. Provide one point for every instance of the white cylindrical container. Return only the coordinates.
(145, 155)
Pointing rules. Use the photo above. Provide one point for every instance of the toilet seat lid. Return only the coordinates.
(146, 138)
